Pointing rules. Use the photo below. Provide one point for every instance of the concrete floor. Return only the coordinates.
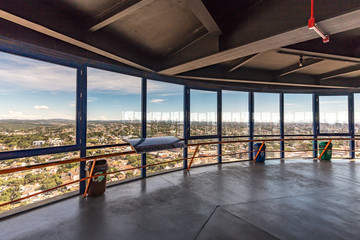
(276, 200)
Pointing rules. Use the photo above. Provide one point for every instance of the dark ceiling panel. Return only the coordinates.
(225, 11)
(92, 8)
(158, 27)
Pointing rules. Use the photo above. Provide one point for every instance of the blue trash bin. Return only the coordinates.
(261, 156)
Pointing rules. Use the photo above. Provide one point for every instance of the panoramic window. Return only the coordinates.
(235, 113)
(165, 116)
(203, 113)
(298, 116)
(266, 114)
(114, 107)
(38, 104)
(334, 117)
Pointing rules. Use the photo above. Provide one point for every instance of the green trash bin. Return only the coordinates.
(327, 153)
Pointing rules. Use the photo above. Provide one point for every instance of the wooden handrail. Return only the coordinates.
(55, 163)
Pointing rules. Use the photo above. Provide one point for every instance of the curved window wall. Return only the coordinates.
(55, 111)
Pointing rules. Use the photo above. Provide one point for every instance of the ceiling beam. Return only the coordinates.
(325, 56)
(243, 61)
(296, 67)
(339, 72)
(46, 31)
(266, 82)
(119, 12)
(204, 16)
(332, 25)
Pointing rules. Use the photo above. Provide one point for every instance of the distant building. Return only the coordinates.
(56, 142)
(38, 143)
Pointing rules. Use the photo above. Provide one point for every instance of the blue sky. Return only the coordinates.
(31, 89)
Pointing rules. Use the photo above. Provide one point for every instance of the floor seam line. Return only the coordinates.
(249, 222)
(207, 220)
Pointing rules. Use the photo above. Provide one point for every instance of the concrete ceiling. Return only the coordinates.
(248, 41)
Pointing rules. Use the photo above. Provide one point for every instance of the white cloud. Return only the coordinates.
(157, 100)
(43, 107)
(20, 73)
(91, 99)
(14, 114)
(23, 74)
(72, 104)
(100, 80)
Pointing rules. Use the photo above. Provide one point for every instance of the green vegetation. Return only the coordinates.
(23, 134)
(16, 134)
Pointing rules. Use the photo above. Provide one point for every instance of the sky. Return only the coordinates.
(31, 89)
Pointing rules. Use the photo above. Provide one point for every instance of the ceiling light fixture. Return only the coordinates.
(301, 61)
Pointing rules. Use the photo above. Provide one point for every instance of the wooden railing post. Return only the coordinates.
(192, 159)
(90, 179)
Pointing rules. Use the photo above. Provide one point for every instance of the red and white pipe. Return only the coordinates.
(312, 25)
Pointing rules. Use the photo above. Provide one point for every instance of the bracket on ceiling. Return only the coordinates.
(312, 25)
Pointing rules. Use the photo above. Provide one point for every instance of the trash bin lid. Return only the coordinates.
(142, 145)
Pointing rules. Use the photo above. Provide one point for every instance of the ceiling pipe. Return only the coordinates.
(312, 25)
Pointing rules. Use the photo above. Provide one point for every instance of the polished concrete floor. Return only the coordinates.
(291, 199)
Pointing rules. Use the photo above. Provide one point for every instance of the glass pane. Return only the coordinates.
(340, 148)
(298, 117)
(357, 149)
(266, 114)
(357, 112)
(298, 149)
(334, 116)
(114, 107)
(119, 163)
(38, 104)
(21, 184)
(203, 117)
(235, 151)
(165, 116)
(164, 156)
(272, 147)
(235, 113)
(206, 153)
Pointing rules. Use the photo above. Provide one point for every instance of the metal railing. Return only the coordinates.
(197, 149)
